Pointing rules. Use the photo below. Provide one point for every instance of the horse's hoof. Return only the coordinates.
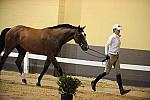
(55, 75)
(0, 71)
(58, 74)
(38, 84)
(24, 81)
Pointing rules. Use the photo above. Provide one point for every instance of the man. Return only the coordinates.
(112, 54)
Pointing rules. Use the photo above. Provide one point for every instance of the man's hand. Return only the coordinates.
(107, 57)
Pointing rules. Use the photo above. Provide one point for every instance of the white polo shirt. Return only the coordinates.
(113, 45)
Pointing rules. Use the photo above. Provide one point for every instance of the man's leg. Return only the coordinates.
(119, 81)
(93, 83)
(118, 77)
(108, 67)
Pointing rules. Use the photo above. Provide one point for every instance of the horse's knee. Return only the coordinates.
(2, 60)
(60, 72)
(107, 72)
(59, 69)
(17, 63)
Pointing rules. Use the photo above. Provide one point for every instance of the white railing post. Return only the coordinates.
(26, 63)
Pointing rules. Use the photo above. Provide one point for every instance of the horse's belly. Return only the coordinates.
(33, 48)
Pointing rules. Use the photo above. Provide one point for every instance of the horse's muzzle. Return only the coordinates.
(84, 47)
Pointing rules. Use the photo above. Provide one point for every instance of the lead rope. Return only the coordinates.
(94, 55)
(97, 56)
(96, 51)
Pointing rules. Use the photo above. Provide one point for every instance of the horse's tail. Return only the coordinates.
(2, 39)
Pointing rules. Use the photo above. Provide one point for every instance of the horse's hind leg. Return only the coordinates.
(22, 53)
(10, 44)
(4, 57)
(47, 63)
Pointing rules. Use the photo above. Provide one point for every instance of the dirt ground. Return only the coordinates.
(11, 88)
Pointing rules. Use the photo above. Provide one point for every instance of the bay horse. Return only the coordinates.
(47, 41)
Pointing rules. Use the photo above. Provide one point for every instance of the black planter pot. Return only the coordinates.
(66, 97)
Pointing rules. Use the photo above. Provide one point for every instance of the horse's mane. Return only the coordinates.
(63, 26)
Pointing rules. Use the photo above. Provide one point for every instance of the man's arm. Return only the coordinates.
(107, 45)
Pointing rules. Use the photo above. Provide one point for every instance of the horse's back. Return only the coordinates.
(24, 36)
(16, 30)
(22, 31)
(38, 41)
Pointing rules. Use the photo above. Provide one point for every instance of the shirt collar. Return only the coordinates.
(116, 35)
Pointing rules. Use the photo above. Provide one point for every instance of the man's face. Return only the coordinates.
(116, 31)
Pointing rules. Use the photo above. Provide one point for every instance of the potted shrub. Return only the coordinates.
(68, 86)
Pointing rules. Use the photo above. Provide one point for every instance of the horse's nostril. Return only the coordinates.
(86, 49)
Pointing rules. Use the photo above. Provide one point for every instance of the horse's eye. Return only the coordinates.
(84, 35)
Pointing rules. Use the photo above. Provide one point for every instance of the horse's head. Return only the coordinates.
(80, 38)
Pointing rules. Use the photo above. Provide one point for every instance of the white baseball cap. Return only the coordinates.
(117, 26)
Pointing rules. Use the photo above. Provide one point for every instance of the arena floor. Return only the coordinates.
(11, 88)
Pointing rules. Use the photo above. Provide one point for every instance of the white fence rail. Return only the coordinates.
(76, 61)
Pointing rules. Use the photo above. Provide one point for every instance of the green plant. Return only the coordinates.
(68, 84)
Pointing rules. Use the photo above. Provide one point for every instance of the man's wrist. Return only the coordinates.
(107, 57)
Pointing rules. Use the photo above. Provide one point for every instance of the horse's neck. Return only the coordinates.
(67, 36)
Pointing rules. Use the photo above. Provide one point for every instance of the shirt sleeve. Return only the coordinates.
(107, 45)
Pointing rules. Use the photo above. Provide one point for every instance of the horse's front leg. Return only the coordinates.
(47, 63)
(57, 69)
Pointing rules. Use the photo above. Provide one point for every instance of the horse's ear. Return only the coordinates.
(79, 26)
(83, 27)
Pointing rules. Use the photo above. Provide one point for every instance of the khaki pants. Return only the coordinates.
(114, 60)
